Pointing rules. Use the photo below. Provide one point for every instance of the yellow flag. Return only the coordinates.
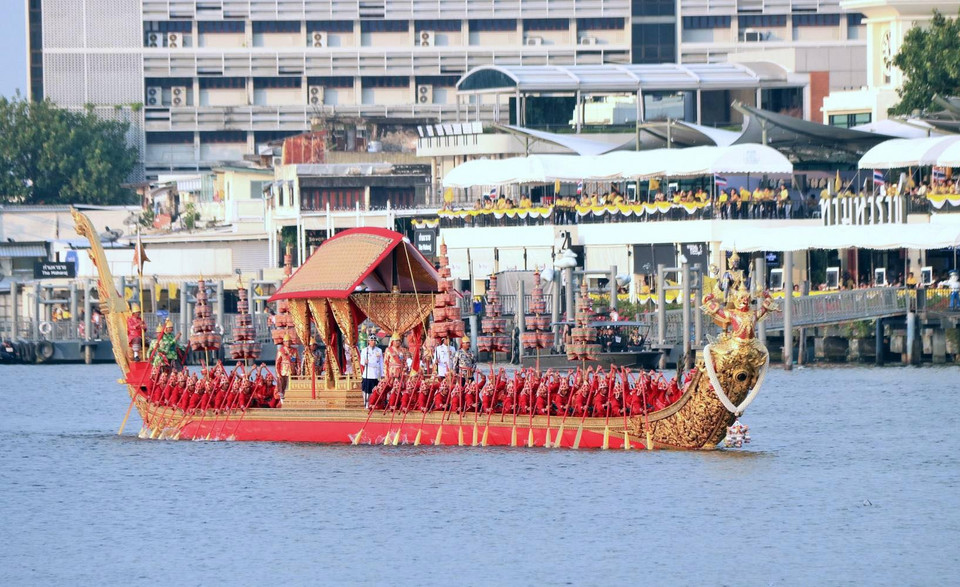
(448, 195)
(172, 291)
(837, 184)
(127, 293)
(156, 294)
(556, 187)
(654, 184)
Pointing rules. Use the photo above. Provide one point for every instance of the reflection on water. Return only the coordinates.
(851, 478)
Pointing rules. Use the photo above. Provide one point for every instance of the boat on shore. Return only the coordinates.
(375, 274)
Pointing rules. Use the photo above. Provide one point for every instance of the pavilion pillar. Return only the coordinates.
(788, 310)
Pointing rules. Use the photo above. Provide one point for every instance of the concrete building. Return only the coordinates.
(887, 22)
(205, 82)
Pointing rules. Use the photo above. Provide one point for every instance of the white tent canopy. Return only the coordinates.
(882, 237)
(950, 157)
(897, 153)
(692, 162)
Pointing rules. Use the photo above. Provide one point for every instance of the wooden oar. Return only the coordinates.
(546, 442)
(646, 415)
(624, 372)
(386, 439)
(426, 408)
(396, 437)
(563, 420)
(370, 410)
(240, 421)
(606, 424)
(443, 416)
(586, 408)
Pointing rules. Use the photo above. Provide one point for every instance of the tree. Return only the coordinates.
(930, 61)
(49, 155)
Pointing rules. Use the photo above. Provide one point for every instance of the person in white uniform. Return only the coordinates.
(443, 358)
(371, 367)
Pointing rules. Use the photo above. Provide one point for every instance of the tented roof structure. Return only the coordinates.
(692, 162)
(898, 153)
(875, 236)
(609, 78)
(789, 131)
(360, 259)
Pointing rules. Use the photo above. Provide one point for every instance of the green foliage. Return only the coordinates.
(859, 329)
(930, 60)
(190, 216)
(54, 156)
(147, 217)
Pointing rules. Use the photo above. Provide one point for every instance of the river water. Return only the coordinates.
(852, 478)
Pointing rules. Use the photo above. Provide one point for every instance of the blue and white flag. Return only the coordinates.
(493, 193)
(939, 174)
(719, 180)
(878, 177)
(580, 188)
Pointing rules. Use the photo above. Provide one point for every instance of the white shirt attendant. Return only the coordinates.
(371, 362)
(443, 359)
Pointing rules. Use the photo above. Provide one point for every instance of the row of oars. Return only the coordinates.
(393, 437)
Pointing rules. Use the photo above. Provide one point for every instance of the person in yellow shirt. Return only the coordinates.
(618, 200)
(784, 208)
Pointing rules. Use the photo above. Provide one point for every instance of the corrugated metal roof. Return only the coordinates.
(20, 250)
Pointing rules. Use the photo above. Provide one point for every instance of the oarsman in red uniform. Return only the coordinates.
(158, 388)
(135, 331)
(423, 395)
(396, 390)
(509, 398)
(470, 397)
(523, 403)
(456, 398)
(579, 399)
(270, 388)
(562, 399)
(440, 398)
(287, 363)
(616, 400)
(541, 404)
(600, 400)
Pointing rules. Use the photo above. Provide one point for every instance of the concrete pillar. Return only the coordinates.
(219, 304)
(87, 309)
(473, 319)
(802, 332)
(911, 336)
(14, 310)
(685, 276)
(36, 311)
(760, 284)
(518, 316)
(183, 310)
(555, 311)
(613, 287)
(568, 291)
(788, 310)
(878, 342)
(661, 316)
(73, 304)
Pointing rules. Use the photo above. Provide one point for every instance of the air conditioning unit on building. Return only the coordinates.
(590, 41)
(752, 36)
(155, 39)
(315, 95)
(154, 96)
(318, 39)
(178, 96)
(174, 40)
(534, 41)
(427, 39)
(424, 94)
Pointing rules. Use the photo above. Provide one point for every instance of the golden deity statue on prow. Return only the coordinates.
(728, 303)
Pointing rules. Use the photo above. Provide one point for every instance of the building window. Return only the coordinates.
(223, 136)
(267, 136)
(654, 43)
(850, 120)
(262, 83)
(331, 82)
(384, 26)
(220, 26)
(653, 8)
(855, 19)
(275, 26)
(762, 20)
(437, 81)
(330, 26)
(816, 20)
(546, 24)
(493, 25)
(170, 138)
(706, 22)
(440, 26)
(222, 83)
(386, 82)
(168, 26)
(600, 24)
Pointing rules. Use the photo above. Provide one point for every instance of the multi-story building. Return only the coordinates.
(203, 81)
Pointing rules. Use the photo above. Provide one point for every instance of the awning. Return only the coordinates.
(22, 250)
(692, 162)
(877, 236)
(899, 153)
(360, 259)
(950, 157)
